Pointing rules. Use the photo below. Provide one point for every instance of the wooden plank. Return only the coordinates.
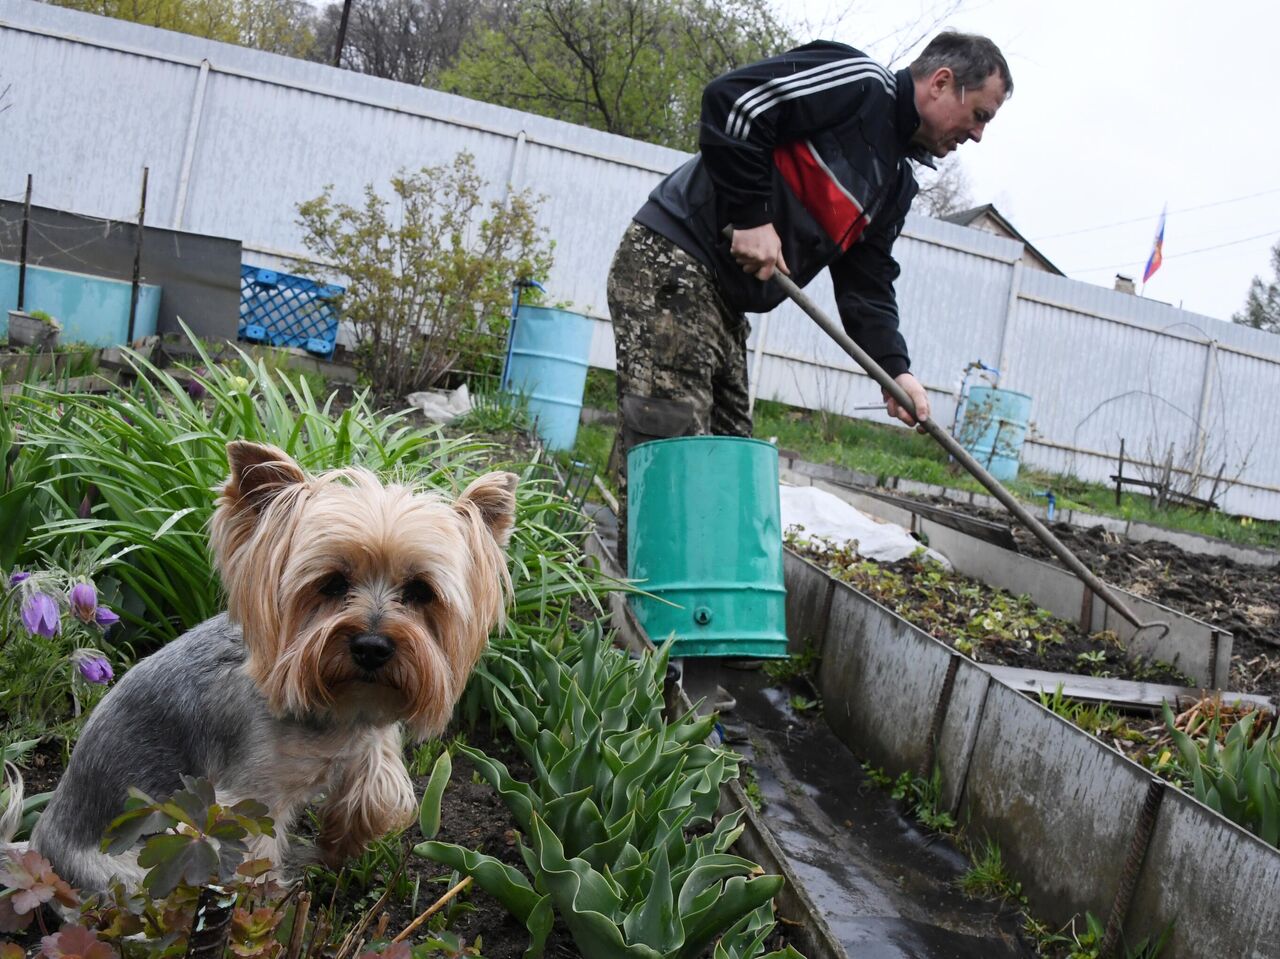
(93, 383)
(996, 533)
(1118, 691)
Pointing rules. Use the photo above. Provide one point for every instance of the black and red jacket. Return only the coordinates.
(815, 141)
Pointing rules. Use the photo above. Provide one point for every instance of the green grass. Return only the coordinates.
(883, 451)
(989, 877)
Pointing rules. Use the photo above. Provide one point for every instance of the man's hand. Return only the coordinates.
(759, 251)
(913, 388)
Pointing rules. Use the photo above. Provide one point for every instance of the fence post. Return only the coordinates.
(189, 149)
(753, 387)
(137, 257)
(513, 172)
(22, 253)
(1010, 310)
(1210, 364)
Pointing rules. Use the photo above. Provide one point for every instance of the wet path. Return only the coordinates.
(886, 888)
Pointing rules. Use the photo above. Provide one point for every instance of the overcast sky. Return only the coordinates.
(1118, 107)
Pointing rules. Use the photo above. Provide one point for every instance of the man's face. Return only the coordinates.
(950, 114)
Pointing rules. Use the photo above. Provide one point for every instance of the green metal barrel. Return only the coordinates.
(704, 536)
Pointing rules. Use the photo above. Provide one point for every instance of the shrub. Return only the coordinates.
(429, 283)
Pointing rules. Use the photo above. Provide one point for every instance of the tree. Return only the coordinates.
(944, 191)
(412, 41)
(1262, 305)
(631, 67)
(278, 26)
(428, 280)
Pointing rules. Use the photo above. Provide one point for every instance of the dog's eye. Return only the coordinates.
(416, 592)
(334, 586)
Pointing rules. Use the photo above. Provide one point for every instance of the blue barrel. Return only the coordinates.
(993, 428)
(547, 364)
(704, 536)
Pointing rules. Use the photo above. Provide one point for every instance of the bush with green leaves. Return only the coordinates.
(614, 793)
(1237, 775)
(428, 282)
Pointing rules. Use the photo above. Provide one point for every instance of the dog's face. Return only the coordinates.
(360, 602)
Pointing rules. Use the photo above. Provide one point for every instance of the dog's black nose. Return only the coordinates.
(371, 650)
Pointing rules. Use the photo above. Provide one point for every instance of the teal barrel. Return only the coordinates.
(547, 363)
(704, 536)
(993, 428)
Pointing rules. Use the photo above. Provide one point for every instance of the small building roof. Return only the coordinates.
(989, 212)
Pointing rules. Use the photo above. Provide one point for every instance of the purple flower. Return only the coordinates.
(84, 601)
(196, 390)
(40, 615)
(17, 577)
(105, 618)
(93, 666)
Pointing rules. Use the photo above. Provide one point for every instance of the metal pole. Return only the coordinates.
(890, 386)
(137, 256)
(22, 254)
(342, 34)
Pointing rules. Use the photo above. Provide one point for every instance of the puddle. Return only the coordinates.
(886, 887)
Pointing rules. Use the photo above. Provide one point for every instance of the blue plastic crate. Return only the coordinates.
(285, 310)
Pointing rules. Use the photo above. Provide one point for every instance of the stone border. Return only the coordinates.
(1074, 819)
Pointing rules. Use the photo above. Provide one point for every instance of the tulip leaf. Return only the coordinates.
(429, 811)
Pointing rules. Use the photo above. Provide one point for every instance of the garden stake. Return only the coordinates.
(432, 910)
(948, 442)
(300, 913)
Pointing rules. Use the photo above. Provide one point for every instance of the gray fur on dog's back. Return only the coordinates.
(188, 708)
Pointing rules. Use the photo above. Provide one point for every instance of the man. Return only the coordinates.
(805, 155)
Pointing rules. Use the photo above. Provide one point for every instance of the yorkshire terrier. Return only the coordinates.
(354, 609)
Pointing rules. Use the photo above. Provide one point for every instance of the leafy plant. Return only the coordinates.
(1237, 774)
(53, 634)
(614, 789)
(192, 839)
(924, 796)
(496, 412)
(989, 878)
(429, 283)
(155, 455)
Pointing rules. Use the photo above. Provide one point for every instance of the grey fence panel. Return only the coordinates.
(85, 121)
(236, 138)
(1206, 872)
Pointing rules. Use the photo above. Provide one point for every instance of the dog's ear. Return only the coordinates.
(493, 496)
(258, 474)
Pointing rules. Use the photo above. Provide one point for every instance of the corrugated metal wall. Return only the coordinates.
(235, 138)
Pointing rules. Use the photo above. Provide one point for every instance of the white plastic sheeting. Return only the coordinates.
(823, 515)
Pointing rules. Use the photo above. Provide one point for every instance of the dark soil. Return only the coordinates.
(1240, 598)
(471, 815)
(988, 624)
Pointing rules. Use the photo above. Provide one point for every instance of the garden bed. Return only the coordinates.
(661, 819)
(985, 623)
(1083, 829)
(1241, 598)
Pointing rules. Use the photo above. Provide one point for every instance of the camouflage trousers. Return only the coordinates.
(682, 352)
